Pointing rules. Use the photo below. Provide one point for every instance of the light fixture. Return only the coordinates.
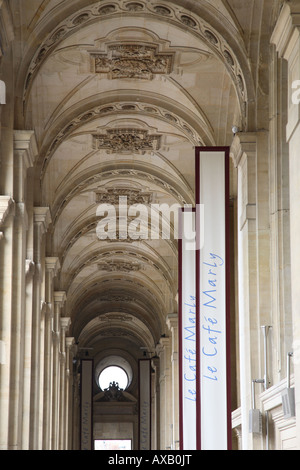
(255, 416)
(288, 394)
(235, 130)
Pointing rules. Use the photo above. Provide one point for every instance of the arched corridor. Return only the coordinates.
(105, 103)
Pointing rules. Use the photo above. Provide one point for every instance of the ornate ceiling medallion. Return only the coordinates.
(136, 141)
(132, 61)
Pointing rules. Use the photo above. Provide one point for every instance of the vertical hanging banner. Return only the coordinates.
(212, 300)
(144, 404)
(187, 329)
(86, 405)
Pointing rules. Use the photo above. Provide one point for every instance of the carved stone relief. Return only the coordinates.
(132, 61)
(113, 317)
(113, 393)
(112, 195)
(126, 66)
(98, 112)
(123, 266)
(136, 141)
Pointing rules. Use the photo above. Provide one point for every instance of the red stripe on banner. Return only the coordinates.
(198, 356)
(180, 331)
(228, 342)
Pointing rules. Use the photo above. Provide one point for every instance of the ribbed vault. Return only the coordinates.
(119, 93)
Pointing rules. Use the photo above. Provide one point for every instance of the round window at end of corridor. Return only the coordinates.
(113, 375)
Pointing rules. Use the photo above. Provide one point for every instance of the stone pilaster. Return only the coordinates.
(6, 273)
(172, 323)
(29, 273)
(70, 352)
(41, 221)
(249, 153)
(52, 267)
(164, 353)
(286, 37)
(25, 152)
(59, 300)
(64, 326)
(155, 363)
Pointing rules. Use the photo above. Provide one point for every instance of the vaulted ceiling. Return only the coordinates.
(119, 93)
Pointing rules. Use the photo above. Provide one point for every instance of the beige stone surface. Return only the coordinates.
(107, 99)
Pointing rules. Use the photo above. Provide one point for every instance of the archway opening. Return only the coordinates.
(113, 374)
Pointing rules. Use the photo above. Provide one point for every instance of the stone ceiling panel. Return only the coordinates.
(119, 94)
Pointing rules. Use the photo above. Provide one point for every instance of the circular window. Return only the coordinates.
(113, 368)
(113, 374)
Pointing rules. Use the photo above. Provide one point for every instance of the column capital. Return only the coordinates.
(52, 264)
(59, 297)
(7, 204)
(8, 30)
(172, 320)
(164, 342)
(65, 323)
(70, 341)
(243, 143)
(25, 143)
(42, 217)
(287, 28)
(29, 267)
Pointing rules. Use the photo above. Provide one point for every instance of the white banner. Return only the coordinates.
(187, 331)
(86, 408)
(213, 410)
(144, 404)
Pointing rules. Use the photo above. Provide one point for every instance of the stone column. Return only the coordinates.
(280, 216)
(70, 342)
(243, 152)
(41, 222)
(64, 326)
(59, 300)
(27, 355)
(52, 266)
(172, 322)
(155, 404)
(286, 37)
(164, 352)
(6, 254)
(25, 151)
(44, 312)
(250, 155)
(6, 217)
(76, 409)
